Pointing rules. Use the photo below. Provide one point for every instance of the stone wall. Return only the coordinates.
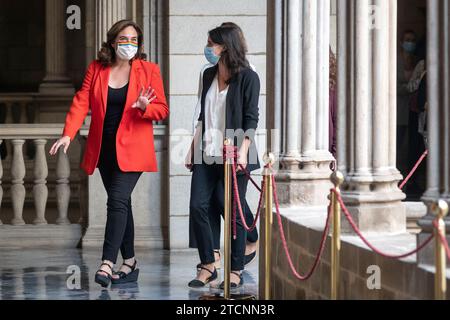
(400, 279)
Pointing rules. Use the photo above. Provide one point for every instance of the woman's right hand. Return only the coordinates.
(63, 141)
(188, 161)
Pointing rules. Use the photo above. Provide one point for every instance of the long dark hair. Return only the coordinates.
(241, 33)
(333, 70)
(234, 48)
(107, 54)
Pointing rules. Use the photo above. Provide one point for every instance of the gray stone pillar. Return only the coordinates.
(438, 81)
(55, 80)
(366, 131)
(274, 103)
(89, 32)
(107, 12)
(303, 178)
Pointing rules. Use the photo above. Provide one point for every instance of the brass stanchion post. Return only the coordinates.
(440, 279)
(337, 179)
(265, 244)
(227, 223)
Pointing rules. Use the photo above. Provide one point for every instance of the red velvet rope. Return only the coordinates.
(237, 204)
(358, 232)
(284, 242)
(413, 169)
(230, 152)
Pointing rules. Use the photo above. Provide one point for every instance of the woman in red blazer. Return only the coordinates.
(125, 94)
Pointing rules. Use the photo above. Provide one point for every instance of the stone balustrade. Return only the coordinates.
(33, 107)
(40, 135)
(17, 108)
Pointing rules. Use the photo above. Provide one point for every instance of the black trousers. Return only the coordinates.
(205, 178)
(215, 210)
(119, 231)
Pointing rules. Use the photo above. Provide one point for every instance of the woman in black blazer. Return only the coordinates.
(229, 109)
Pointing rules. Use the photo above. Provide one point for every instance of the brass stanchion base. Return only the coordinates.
(219, 296)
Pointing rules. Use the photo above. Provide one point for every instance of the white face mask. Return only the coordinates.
(126, 50)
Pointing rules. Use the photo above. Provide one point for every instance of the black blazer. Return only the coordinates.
(242, 111)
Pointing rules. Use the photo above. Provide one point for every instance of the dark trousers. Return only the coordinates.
(217, 205)
(205, 178)
(215, 210)
(119, 232)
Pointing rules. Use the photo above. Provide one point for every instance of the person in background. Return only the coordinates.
(406, 64)
(416, 147)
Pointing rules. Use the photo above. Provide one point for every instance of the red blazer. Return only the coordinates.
(134, 141)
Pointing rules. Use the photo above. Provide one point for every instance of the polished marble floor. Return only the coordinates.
(68, 274)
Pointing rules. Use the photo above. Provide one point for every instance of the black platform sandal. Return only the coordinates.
(132, 276)
(216, 263)
(199, 284)
(234, 285)
(249, 258)
(101, 279)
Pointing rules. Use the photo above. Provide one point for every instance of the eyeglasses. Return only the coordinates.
(131, 40)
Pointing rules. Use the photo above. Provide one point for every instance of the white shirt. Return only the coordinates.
(198, 106)
(215, 110)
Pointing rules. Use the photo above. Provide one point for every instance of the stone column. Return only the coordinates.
(132, 7)
(366, 117)
(55, 80)
(89, 32)
(62, 187)
(274, 104)
(274, 62)
(107, 12)
(438, 81)
(17, 182)
(303, 178)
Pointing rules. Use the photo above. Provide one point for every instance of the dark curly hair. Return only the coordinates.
(107, 54)
(234, 48)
